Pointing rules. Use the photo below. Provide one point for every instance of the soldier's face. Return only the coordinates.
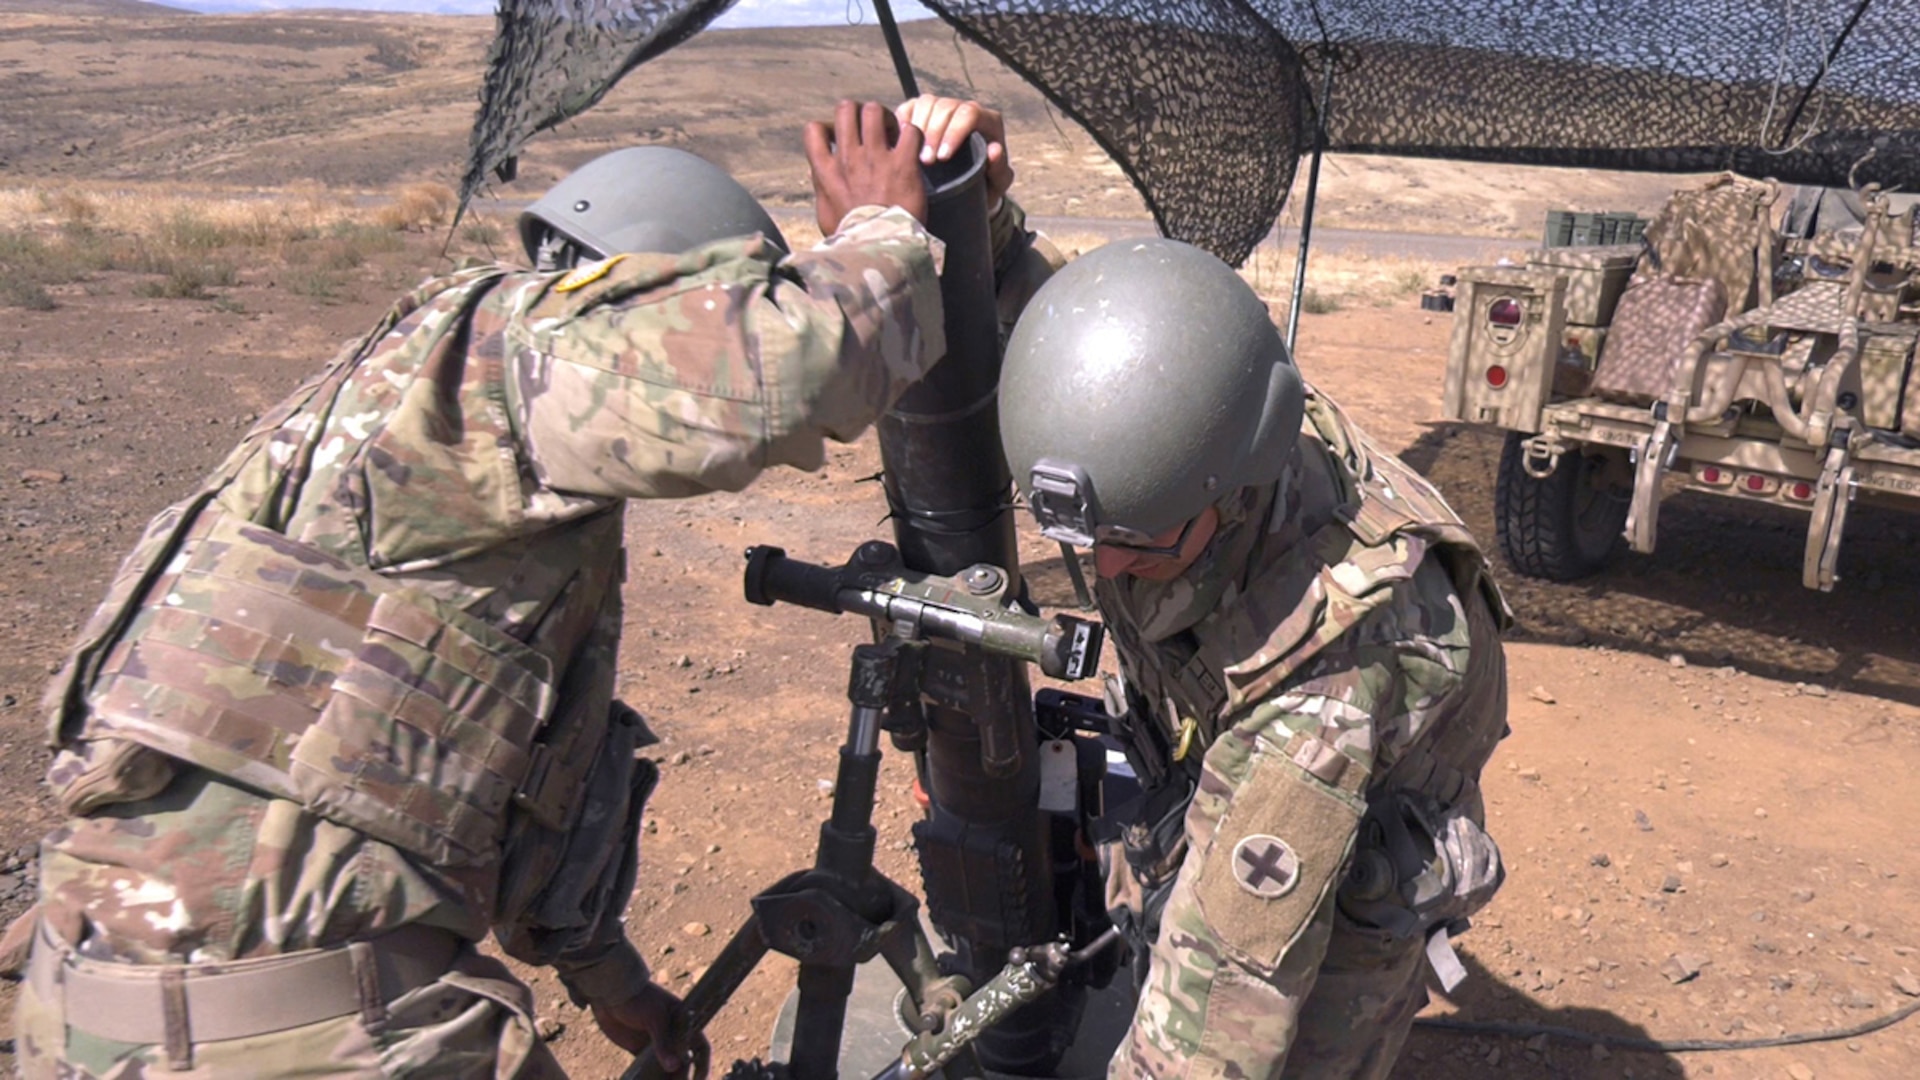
(1112, 561)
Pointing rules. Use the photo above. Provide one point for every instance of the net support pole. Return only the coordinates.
(896, 48)
(1313, 192)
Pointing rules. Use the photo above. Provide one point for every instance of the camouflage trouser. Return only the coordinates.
(474, 1022)
(1327, 997)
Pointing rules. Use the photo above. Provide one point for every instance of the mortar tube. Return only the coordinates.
(946, 478)
(948, 485)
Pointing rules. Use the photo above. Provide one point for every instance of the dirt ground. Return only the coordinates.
(1710, 766)
(1707, 761)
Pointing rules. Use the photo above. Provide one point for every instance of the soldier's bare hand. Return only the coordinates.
(865, 159)
(654, 1019)
(947, 122)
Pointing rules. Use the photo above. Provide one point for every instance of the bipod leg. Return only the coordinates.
(717, 987)
(935, 996)
(819, 1020)
(726, 973)
(837, 915)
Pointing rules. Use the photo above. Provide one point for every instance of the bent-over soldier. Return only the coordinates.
(349, 706)
(1312, 672)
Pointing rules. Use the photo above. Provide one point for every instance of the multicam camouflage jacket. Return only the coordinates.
(1315, 648)
(1295, 567)
(364, 677)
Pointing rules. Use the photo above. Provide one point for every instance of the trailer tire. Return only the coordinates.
(1561, 528)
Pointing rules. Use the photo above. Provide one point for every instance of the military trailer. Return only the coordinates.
(1722, 354)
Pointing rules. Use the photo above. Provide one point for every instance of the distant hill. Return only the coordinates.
(366, 101)
(407, 7)
(86, 7)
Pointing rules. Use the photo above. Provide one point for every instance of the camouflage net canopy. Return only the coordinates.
(554, 59)
(1207, 104)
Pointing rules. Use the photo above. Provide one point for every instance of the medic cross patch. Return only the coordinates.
(1265, 866)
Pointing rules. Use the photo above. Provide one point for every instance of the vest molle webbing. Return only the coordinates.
(1294, 605)
(234, 648)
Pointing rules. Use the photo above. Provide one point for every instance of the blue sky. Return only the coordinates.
(745, 13)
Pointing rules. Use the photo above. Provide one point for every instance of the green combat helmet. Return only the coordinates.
(643, 198)
(1144, 383)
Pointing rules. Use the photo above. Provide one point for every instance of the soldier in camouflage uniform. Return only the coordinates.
(1312, 674)
(349, 707)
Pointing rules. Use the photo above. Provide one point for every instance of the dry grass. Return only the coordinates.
(148, 208)
(1335, 280)
(317, 242)
(186, 247)
(801, 233)
(482, 232)
(24, 273)
(419, 208)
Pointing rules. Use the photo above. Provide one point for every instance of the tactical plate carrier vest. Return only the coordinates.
(225, 644)
(1292, 603)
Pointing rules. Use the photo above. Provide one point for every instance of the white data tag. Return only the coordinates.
(1059, 777)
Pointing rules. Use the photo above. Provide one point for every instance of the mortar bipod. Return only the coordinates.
(843, 911)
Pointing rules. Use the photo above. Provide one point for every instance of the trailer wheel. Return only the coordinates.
(1560, 528)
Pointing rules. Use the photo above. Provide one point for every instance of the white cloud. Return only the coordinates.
(745, 13)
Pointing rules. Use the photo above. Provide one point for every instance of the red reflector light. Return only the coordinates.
(1710, 475)
(1756, 483)
(1802, 491)
(1505, 311)
(1496, 376)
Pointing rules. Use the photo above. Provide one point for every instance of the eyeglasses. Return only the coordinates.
(1170, 551)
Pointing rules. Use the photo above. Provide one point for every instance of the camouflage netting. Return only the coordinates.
(1207, 104)
(554, 59)
(1203, 103)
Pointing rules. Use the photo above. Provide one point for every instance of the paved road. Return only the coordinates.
(1436, 246)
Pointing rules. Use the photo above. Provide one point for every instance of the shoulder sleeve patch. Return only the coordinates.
(1276, 856)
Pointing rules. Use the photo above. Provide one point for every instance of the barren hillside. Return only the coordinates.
(110, 8)
(365, 101)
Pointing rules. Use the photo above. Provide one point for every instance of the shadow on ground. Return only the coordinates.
(1433, 1053)
(1723, 588)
